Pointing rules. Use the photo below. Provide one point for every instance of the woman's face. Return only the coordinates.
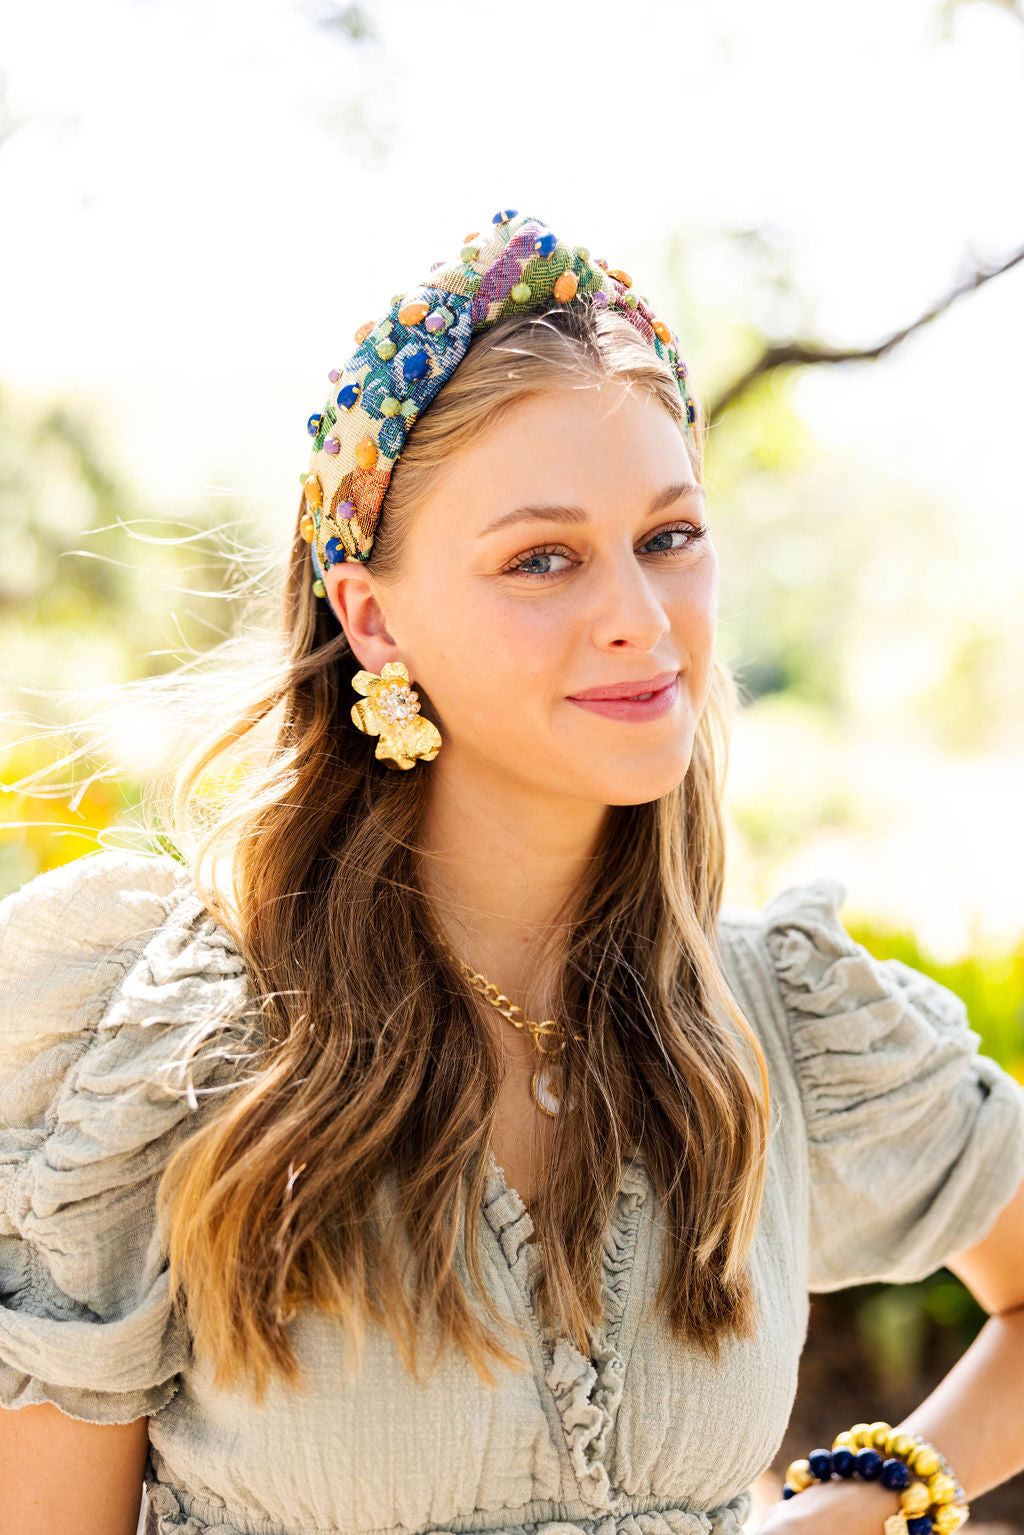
(556, 557)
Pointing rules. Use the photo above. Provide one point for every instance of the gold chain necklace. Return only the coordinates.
(548, 1036)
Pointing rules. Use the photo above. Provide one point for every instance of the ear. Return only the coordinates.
(356, 599)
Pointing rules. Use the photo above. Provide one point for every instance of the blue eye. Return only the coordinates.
(553, 551)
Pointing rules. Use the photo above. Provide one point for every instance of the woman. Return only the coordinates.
(311, 1227)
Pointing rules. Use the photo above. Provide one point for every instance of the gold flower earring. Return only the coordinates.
(391, 710)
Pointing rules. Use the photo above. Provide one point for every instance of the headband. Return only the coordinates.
(402, 360)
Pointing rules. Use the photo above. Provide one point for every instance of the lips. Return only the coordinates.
(627, 689)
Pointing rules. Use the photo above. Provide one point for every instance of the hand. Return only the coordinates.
(853, 1507)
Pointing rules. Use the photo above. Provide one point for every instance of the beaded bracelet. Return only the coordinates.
(932, 1502)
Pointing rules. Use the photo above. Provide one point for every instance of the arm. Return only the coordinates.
(974, 1416)
(60, 1476)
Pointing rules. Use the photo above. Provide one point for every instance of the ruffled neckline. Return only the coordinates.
(587, 1391)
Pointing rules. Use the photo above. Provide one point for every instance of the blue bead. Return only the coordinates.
(545, 245)
(869, 1463)
(416, 364)
(844, 1461)
(334, 550)
(922, 1525)
(895, 1474)
(349, 396)
(820, 1462)
(313, 425)
(503, 216)
(788, 1491)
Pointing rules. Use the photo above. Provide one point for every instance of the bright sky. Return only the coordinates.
(196, 225)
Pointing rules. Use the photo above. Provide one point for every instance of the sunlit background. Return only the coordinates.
(202, 201)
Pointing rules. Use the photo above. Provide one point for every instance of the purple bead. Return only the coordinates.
(682, 371)
(345, 510)
(434, 322)
(334, 375)
(332, 445)
(600, 299)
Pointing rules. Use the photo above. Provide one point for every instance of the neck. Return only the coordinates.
(501, 861)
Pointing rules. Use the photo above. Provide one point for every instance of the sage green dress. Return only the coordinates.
(894, 1145)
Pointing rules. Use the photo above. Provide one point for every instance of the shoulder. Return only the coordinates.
(915, 1137)
(109, 939)
(125, 1010)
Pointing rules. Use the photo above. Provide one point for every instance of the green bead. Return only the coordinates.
(389, 406)
(408, 408)
(469, 252)
(582, 252)
(303, 477)
(386, 349)
(319, 589)
(521, 292)
(630, 300)
(396, 298)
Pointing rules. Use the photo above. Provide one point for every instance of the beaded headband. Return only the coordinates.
(402, 360)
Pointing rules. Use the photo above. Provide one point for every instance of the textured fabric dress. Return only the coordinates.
(894, 1145)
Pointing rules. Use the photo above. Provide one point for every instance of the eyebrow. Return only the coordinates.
(552, 512)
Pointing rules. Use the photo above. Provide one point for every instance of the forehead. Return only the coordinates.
(574, 444)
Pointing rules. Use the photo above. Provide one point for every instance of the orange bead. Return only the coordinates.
(623, 277)
(307, 527)
(413, 312)
(314, 491)
(566, 286)
(364, 330)
(366, 453)
(474, 236)
(662, 331)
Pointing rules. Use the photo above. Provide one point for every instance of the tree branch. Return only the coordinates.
(795, 354)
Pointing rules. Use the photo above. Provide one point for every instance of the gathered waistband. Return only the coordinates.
(173, 1511)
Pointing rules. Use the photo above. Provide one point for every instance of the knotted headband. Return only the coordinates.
(402, 360)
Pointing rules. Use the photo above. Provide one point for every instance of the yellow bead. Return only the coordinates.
(799, 1474)
(924, 1461)
(880, 1434)
(662, 331)
(899, 1444)
(307, 527)
(860, 1433)
(915, 1499)
(845, 1440)
(314, 491)
(942, 1488)
(623, 277)
(565, 287)
(366, 453)
(947, 1519)
(413, 312)
(364, 330)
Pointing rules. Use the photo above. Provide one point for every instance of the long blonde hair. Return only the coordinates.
(375, 1063)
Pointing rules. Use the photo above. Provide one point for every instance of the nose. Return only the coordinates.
(627, 608)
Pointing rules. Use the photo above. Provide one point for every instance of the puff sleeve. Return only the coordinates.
(121, 1003)
(915, 1140)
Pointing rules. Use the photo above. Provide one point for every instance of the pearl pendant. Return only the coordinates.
(542, 1086)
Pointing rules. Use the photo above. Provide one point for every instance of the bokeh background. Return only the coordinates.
(202, 201)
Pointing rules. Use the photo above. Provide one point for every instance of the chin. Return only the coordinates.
(646, 782)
